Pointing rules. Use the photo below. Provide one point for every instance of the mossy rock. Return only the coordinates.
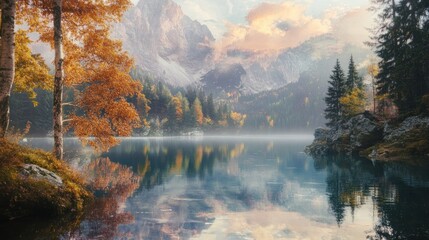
(407, 149)
(25, 196)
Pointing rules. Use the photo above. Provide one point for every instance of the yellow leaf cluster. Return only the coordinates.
(353, 103)
(31, 71)
(238, 118)
(198, 112)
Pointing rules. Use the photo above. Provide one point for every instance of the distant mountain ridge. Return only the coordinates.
(171, 47)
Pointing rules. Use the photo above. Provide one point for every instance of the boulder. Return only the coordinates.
(321, 134)
(365, 131)
(356, 134)
(320, 144)
(409, 125)
(38, 173)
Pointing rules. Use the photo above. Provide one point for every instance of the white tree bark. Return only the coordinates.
(7, 61)
(58, 81)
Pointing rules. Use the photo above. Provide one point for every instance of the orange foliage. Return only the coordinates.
(197, 112)
(113, 178)
(117, 182)
(177, 104)
(95, 66)
(238, 118)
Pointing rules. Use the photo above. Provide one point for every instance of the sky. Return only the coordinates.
(217, 13)
(272, 25)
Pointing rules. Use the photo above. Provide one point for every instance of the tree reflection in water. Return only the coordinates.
(112, 183)
(399, 193)
(180, 189)
(157, 162)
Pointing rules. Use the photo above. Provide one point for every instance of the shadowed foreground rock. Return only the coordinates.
(34, 183)
(366, 136)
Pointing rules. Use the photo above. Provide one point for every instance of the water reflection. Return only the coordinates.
(112, 183)
(397, 191)
(249, 188)
(157, 161)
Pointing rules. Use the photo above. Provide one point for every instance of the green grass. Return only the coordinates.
(22, 196)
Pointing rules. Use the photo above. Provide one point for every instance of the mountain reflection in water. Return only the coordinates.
(244, 188)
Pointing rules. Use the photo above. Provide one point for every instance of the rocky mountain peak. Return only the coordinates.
(165, 42)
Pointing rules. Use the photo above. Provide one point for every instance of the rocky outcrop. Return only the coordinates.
(406, 127)
(38, 173)
(370, 138)
(409, 139)
(365, 131)
(357, 134)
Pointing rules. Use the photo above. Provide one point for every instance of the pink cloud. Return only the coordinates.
(274, 27)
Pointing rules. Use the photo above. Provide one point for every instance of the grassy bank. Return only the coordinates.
(22, 195)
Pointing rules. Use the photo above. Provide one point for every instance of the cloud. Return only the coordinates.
(272, 27)
(352, 27)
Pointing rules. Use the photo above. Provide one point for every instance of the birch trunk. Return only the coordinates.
(7, 61)
(58, 81)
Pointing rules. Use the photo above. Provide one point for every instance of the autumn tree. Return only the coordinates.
(7, 60)
(236, 119)
(197, 113)
(31, 71)
(175, 112)
(353, 103)
(94, 66)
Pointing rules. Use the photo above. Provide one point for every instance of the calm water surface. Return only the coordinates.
(238, 188)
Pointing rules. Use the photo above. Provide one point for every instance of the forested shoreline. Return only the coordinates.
(397, 126)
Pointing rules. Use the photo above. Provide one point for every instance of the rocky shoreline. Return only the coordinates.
(366, 136)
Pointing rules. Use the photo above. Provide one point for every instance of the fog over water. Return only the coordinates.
(243, 187)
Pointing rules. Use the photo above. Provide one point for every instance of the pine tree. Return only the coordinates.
(336, 90)
(191, 95)
(353, 78)
(402, 44)
(211, 111)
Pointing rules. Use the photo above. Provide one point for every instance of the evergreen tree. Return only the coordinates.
(191, 95)
(402, 44)
(174, 113)
(211, 111)
(353, 78)
(336, 90)
(187, 118)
